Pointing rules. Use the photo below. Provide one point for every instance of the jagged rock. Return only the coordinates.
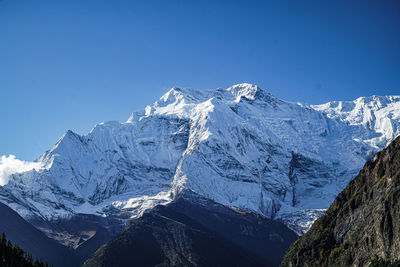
(362, 226)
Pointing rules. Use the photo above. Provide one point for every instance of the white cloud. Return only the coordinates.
(10, 165)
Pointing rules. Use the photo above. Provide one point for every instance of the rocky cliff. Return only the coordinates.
(362, 226)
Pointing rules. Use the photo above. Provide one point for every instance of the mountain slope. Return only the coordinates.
(362, 224)
(378, 114)
(193, 231)
(33, 241)
(241, 147)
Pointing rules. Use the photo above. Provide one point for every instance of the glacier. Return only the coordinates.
(240, 146)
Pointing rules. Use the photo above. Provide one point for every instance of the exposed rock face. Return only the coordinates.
(194, 231)
(362, 226)
(83, 233)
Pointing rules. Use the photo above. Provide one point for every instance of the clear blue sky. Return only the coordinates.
(71, 64)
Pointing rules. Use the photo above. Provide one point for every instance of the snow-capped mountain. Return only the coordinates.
(240, 146)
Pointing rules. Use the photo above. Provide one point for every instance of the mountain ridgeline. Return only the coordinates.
(240, 148)
(194, 231)
(33, 241)
(362, 226)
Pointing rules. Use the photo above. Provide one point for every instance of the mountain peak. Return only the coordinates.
(247, 90)
(231, 145)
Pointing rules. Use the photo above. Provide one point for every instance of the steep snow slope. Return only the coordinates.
(378, 114)
(240, 147)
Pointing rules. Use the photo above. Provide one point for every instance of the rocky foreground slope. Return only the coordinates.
(240, 147)
(362, 226)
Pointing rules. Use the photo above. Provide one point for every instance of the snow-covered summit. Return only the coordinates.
(245, 90)
(377, 114)
(239, 146)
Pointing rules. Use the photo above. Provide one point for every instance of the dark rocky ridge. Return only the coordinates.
(362, 226)
(63, 242)
(194, 231)
(82, 233)
(33, 241)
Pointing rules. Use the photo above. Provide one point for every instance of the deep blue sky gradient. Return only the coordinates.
(72, 64)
